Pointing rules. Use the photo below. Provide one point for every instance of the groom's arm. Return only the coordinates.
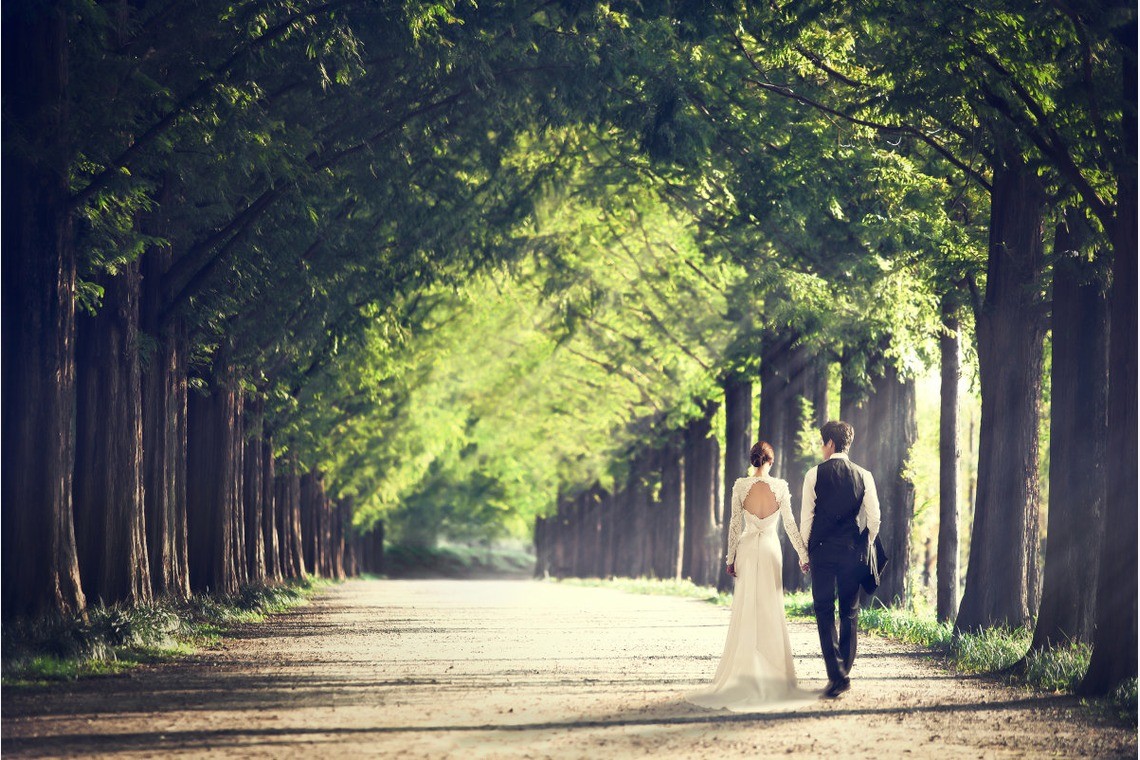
(807, 506)
(871, 506)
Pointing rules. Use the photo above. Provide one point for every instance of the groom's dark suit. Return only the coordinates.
(834, 493)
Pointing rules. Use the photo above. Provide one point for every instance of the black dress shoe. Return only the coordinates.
(835, 688)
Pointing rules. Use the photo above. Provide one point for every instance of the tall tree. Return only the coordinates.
(1010, 323)
(41, 571)
(948, 456)
(110, 516)
(883, 416)
(1114, 641)
(701, 561)
(1078, 431)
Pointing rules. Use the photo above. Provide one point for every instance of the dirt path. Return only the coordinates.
(526, 669)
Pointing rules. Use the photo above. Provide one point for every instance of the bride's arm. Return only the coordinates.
(785, 501)
(734, 526)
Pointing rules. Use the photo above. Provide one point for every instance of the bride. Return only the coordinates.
(756, 670)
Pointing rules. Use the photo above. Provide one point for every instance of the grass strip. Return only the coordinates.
(110, 639)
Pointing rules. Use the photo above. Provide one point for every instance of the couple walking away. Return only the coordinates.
(839, 503)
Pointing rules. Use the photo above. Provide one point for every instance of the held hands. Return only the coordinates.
(805, 566)
(731, 569)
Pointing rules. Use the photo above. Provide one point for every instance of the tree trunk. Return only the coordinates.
(541, 563)
(310, 524)
(164, 433)
(565, 547)
(253, 488)
(40, 566)
(789, 376)
(738, 443)
(237, 490)
(639, 499)
(669, 513)
(948, 455)
(110, 517)
(1078, 437)
(290, 535)
(609, 535)
(594, 538)
(887, 430)
(700, 563)
(342, 513)
(1010, 332)
(269, 515)
(1114, 642)
(211, 499)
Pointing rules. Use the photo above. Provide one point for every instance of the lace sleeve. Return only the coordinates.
(784, 499)
(734, 526)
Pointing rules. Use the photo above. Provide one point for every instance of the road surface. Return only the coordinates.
(526, 669)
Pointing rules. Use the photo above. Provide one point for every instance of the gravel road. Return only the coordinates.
(503, 669)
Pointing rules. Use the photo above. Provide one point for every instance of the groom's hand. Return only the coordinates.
(731, 570)
(805, 566)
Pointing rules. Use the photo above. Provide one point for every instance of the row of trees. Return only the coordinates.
(469, 261)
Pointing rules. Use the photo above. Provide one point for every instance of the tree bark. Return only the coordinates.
(638, 502)
(738, 443)
(310, 525)
(211, 499)
(789, 376)
(270, 509)
(668, 540)
(288, 496)
(253, 487)
(40, 565)
(1078, 438)
(886, 432)
(1010, 329)
(948, 456)
(667, 544)
(1114, 642)
(164, 402)
(609, 534)
(565, 535)
(541, 562)
(700, 562)
(110, 517)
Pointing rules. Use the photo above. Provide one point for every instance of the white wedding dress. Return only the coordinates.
(756, 671)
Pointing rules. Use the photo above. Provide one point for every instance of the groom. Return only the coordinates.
(839, 502)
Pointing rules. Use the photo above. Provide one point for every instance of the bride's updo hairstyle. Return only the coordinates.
(762, 454)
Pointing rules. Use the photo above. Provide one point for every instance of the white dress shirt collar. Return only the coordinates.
(839, 455)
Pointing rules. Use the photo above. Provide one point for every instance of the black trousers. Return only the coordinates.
(835, 573)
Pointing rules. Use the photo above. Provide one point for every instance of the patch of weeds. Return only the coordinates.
(110, 639)
(1060, 668)
(990, 650)
(1123, 701)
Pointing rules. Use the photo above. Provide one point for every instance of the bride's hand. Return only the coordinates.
(805, 566)
(731, 570)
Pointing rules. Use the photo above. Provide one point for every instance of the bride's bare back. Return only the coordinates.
(760, 500)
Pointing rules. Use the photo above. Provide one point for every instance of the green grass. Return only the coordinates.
(402, 560)
(993, 651)
(654, 587)
(112, 639)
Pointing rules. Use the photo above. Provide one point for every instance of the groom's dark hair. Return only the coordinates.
(839, 433)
